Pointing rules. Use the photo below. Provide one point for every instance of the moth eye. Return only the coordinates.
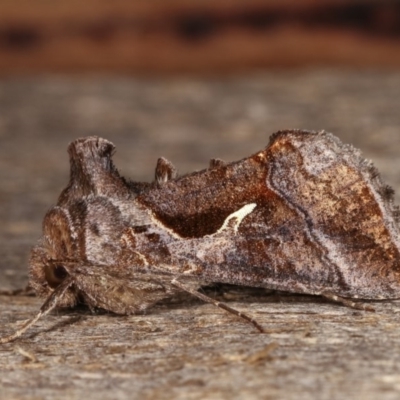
(60, 272)
(55, 274)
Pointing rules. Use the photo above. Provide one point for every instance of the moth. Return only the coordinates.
(305, 215)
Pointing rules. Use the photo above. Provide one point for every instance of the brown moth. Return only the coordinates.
(305, 215)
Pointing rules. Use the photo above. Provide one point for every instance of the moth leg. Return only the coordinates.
(347, 302)
(50, 303)
(216, 303)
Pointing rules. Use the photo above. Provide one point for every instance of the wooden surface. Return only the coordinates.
(192, 36)
(313, 349)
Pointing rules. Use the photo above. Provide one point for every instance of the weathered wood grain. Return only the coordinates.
(186, 349)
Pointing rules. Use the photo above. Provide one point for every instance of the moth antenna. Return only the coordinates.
(50, 303)
(218, 304)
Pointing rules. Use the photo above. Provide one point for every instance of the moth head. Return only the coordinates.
(92, 174)
(51, 261)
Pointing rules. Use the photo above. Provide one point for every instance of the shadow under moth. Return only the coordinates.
(305, 215)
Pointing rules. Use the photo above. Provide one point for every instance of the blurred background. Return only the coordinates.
(188, 80)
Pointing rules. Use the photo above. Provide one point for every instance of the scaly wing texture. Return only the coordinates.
(323, 221)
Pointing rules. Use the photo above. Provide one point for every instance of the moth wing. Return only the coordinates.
(120, 294)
